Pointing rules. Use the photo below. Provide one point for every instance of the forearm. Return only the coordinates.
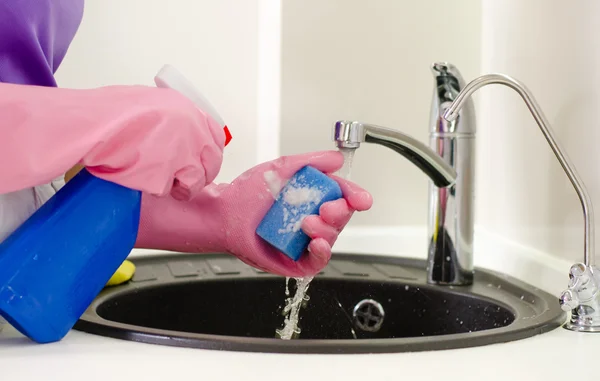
(185, 226)
(46, 131)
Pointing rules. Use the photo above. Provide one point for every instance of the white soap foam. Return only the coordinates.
(286, 215)
(302, 196)
(297, 197)
(293, 226)
(273, 182)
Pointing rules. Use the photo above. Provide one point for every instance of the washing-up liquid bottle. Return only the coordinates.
(56, 262)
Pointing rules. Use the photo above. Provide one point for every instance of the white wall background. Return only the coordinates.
(554, 48)
(302, 64)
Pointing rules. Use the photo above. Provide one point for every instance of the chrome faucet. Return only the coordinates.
(582, 297)
(350, 134)
(450, 164)
(451, 209)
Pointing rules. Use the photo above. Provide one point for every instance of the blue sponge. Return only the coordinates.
(303, 195)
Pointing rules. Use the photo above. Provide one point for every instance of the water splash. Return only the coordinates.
(344, 172)
(292, 308)
(293, 305)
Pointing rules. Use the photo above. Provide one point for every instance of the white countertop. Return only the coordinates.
(551, 356)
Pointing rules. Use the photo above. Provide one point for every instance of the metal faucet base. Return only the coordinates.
(582, 299)
(443, 265)
(577, 327)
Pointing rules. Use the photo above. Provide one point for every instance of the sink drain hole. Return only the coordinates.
(368, 315)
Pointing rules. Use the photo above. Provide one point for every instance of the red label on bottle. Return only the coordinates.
(228, 136)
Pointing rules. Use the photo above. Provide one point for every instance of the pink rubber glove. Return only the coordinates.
(145, 138)
(224, 218)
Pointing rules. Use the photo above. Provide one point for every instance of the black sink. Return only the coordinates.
(357, 304)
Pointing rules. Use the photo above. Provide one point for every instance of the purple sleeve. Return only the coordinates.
(34, 38)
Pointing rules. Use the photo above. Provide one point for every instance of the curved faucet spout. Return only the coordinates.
(586, 202)
(350, 134)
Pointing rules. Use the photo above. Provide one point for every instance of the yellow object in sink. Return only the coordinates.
(123, 274)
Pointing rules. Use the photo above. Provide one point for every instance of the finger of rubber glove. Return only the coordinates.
(187, 181)
(180, 193)
(310, 264)
(324, 161)
(358, 198)
(336, 213)
(190, 179)
(314, 227)
(212, 159)
(216, 130)
(319, 254)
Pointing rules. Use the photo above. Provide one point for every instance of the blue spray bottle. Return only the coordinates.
(56, 262)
